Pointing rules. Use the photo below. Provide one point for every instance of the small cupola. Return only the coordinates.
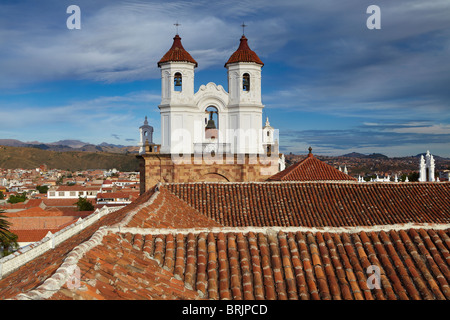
(244, 54)
(177, 53)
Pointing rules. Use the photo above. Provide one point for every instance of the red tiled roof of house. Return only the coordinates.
(310, 169)
(315, 204)
(33, 212)
(167, 245)
(31, 235)
(48, 212)
(63, 202)
(78, 188)
(244, 54)
(23, 205)
(40, 222)
(35, 272)
(177, 53)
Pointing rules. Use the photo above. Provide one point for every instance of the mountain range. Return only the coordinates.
(382, 156)
(71, 145)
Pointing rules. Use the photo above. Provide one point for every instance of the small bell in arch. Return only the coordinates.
(177, 79)
(246, 82)
(211, 124)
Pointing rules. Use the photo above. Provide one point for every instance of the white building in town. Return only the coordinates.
(73, 192)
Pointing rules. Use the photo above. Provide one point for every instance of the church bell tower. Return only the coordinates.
(177, 96)
(245, 107)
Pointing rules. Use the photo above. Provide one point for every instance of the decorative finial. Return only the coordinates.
(310, 150)
(243, 25)
(145, 122)
(176, 25)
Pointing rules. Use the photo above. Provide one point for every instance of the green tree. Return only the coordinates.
(84, 205)
(1, 195)
(21, 197)
(413, 176)
(59, 181)
(8, 240)
(42, 189)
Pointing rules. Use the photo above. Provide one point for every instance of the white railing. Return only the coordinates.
(25, 254)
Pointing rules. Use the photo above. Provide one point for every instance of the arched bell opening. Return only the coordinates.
(177, 82)
(211, 122)
(246, 82)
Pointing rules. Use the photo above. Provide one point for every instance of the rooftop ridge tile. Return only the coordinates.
(349, 230)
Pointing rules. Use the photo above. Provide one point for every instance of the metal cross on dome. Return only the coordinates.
(176, 25)
(243, 25)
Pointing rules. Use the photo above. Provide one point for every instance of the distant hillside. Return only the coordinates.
(364, 156)
(354, 155)
(29, 158)
(70, 145)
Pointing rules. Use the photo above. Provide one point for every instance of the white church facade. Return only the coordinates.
(426, 168)
(212, 119)
(213, 122)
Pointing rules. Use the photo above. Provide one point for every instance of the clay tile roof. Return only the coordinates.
(177, 53)
(31, 212)
(310, 169)
(35, 272)
(314, 204)
(162, 247)
(62, 202)
(32, 235)
(175, 213)
(244, 54)
(267, 264)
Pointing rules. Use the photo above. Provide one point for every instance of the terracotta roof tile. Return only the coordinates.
(147, 262)
(177, 53)
(316, 204)
(191, 261)
(245, 264)
(270, 265)
(310, 169)
(212, 268)
(36, 271)
(169, 211)
(201, 284)
(32, 235)
(244, 54)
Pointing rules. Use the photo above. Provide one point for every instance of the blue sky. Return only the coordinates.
(328, 81)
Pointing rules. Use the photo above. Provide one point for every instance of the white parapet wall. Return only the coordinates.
(17, 259)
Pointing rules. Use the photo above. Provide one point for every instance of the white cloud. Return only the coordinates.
(119, 42)
(91, 120)
(430, 129)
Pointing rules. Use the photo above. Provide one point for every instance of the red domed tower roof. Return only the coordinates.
(244, 54)
(177, 53)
